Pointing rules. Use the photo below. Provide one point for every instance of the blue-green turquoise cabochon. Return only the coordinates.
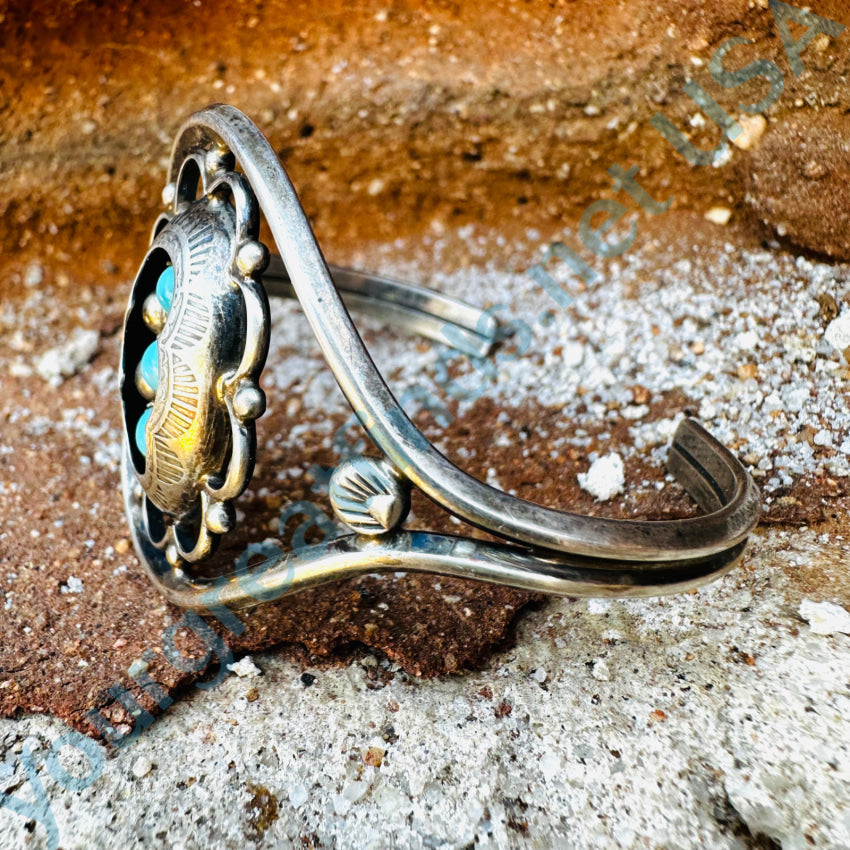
(150, 366)
(140, 431)
(165, 288)
(150, 359)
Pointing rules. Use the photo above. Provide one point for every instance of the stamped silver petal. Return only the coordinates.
(369, 495)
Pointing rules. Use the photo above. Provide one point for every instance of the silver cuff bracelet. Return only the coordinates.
(196, 337)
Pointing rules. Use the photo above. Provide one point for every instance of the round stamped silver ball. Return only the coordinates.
(217, 160)
(172, 555)
(369, 495)
(153, 313)
(252, 258)
(169, 192)
(249, 401)
(220, 517)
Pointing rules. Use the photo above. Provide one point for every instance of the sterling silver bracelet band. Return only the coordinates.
(196, 336)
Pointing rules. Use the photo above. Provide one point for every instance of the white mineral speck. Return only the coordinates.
(141, 767)
(753, 127)
(747, 340)
(823, 438)
(634, 412)
(600, 671)
(297, 795)
(244, 667)
(392, 802)
(416, 783)
(838, 332)
(353, 791)
(605, 478)
(33, 275)
(539, 675)
(74, 585)
(550, 765)
(573, 354)
(341, 804)
(796, 397)
(756, 806)
(58, 363)
(719, 215)
(825, 618)
(707, 410)
(19, 369)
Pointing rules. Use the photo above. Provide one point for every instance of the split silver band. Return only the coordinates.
(195, 453)
(402, 305)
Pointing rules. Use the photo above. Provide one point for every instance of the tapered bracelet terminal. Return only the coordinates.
(195, 342)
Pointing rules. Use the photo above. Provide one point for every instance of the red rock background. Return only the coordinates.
(390, 115)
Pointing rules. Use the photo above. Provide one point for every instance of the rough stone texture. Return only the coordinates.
(799, 183)
(758, 753)
(389, 117)
(716, 719)
(77, 609)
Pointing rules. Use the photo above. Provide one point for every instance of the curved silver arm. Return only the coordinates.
(353, 555)
(713, 476)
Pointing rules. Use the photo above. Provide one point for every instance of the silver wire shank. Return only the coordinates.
(403, 305)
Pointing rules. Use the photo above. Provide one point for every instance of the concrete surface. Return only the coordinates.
(717, 719)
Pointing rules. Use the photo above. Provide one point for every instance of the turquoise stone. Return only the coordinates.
(150, 366)
(140, 431)
(165, 288)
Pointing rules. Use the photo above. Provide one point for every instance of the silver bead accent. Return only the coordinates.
(369, 495)
(168, 193)
(217, 160)
(220, 517)
(172, 555)
(145, 389)
(153, 313)
(249, 401)
(252, 258)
